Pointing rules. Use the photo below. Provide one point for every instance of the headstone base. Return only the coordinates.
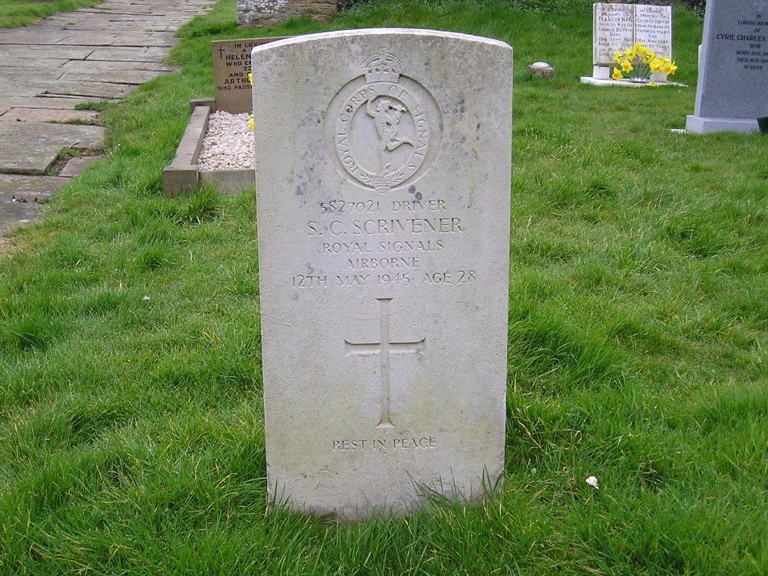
(700, 125)
(626, 83)
(601, 72)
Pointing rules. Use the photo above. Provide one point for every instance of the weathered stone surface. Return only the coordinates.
(264, 13)
(76, 165)
(115, 76)
(11, 61)
(42, 102)
(36, 145)
(155, 39)
(22, 198)
(128, 54)
(29, 36)
(85, 88)
(231, 66)
(20, 83)
(107, 67)
(56, 116)
(383, 181)
(733, 75)
(32, 56)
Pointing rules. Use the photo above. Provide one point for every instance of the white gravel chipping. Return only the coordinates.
(228, 145)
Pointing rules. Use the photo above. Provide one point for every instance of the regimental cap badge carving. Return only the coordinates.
(386, 125)
(382, 67)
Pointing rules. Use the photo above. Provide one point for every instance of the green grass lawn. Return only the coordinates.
(15, 13)
(131, 422)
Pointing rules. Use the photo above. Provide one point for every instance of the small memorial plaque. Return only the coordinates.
(231, 66)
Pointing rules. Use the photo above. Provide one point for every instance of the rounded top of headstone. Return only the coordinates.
(368, 32)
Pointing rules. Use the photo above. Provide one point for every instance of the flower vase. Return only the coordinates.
(657, 77)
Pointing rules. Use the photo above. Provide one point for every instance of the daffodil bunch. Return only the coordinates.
(639, 62)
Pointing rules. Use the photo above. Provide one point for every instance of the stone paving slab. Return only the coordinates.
(134, 77)
(22, 198)
(116, 54)
(76, 165)
(154, 39)
(12, 61)
(87, 38)
(102, 52)
(20, 83)
(36, 144)
(105, 90)
(34, 53)
(53, 115)
(49, 103)
(26, 36)
(107, 67)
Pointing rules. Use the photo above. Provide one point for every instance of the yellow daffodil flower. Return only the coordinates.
(250, 120)
(250, 78)
(618, 56)
(670, 68)
(617, 74)
(656, 66)
(652, 85)
(626, 66)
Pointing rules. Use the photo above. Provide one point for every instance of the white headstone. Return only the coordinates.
(617, 27)
(613, 30)
(383, 182)
(653, 28)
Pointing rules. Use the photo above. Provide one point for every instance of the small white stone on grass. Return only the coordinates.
(592, 481)
(541, 70)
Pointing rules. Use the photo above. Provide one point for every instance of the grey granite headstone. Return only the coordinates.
(732, 90)
(383, 183)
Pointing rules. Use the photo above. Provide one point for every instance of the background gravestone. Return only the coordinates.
(383, 182)
(231, 66)
(617, 27)
(732, 91)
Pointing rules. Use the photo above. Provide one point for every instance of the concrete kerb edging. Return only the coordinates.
(183, 172)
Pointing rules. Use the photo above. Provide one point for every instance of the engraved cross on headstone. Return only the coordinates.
(384, 348)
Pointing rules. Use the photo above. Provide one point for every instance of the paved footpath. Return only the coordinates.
(99, 53)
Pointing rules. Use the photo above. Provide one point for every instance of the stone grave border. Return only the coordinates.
(183, 172)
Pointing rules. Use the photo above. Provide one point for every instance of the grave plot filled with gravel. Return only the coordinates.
(228, 144)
